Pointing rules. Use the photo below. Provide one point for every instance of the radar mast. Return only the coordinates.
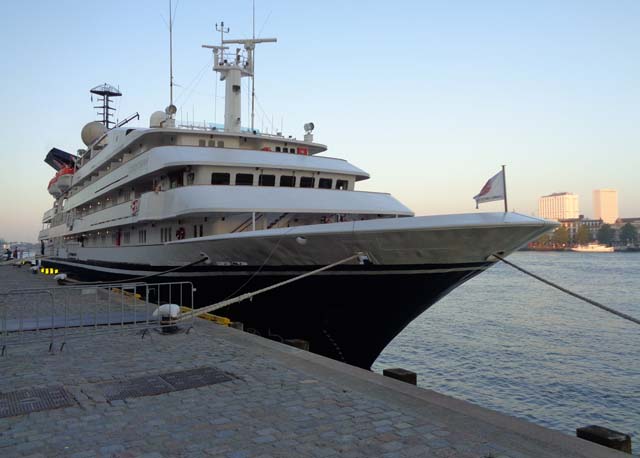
(105, 92)
(232, 68)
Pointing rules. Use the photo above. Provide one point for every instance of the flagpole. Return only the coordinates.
(504, 185)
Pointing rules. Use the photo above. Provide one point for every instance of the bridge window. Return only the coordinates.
(342, 184)
(244, 179)
(211, 143)
(288, 181)
(325, 183)
(220, 178)
(201, 142)
(267, 180)
(307, 182)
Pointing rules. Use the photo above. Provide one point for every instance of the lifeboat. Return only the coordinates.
(60, 183)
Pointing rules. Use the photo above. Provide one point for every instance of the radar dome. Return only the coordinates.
(158, 119)
(92, 131)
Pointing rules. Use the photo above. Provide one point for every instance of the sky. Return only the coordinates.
(429, 97)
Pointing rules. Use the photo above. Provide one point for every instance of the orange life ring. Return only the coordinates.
(181, 233)
(135, 206)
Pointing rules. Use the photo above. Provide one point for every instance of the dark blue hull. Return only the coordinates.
(349, 313)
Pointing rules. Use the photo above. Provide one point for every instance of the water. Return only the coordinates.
(512, 344)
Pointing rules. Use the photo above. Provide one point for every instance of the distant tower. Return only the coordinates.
(105, 92)
(605, 205)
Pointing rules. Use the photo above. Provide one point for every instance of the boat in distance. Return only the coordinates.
(234, 210)
(593, 248)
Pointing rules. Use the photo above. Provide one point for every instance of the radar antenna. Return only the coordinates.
(170, 54)
(105, 92)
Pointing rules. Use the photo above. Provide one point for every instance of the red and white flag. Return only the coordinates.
(493, 189)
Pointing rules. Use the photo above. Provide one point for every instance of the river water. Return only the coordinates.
(512, 344)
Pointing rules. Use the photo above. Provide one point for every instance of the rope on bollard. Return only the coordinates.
(570, 293)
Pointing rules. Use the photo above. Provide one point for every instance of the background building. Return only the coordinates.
(573, 224)
(605, 205)
(559, 205)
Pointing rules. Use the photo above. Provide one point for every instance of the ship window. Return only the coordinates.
(307, 182)
(278, 149)
(220, 144)
(165, 234)
(142, 236)
(288, 181)
(325, 183)
(201, 230)
(195, 231)
(220, 178)
(202, 142)
(126, 238)
(342, 184)
(190, 178)
(211, 143)
(267, 180)
(292, 150)
(244, 179)
(285, 149)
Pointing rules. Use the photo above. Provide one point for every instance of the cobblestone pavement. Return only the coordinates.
(280, 402)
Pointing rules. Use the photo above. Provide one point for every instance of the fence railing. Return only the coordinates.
(57, 314)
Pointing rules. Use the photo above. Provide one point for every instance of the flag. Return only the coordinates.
(492, 190)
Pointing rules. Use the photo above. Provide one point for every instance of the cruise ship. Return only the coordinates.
(233, 210)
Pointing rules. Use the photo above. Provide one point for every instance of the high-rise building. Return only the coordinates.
(605, 205)
(559, 205)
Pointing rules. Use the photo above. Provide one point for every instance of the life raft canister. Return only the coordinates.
(180, 233)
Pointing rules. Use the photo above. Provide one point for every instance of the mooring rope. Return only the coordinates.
(570, 293)
(242, 297)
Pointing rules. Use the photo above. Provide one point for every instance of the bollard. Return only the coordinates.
(298, 343)
(401, 374)
(236, 325)
(607, 437)
(168, 324)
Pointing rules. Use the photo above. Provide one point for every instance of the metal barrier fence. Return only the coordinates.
(57, 314)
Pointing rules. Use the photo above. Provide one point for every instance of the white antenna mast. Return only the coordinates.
(253, 76)
(232, 69)
(170, 54)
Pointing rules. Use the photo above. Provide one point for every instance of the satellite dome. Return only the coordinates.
(92, 131)
(158, 119)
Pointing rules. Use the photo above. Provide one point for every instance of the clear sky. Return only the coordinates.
(430, 97)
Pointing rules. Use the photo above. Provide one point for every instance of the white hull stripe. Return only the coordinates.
(269, 273)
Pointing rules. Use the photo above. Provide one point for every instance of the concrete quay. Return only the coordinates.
(221, 392)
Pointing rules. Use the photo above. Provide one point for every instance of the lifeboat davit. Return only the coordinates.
(61, 182)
